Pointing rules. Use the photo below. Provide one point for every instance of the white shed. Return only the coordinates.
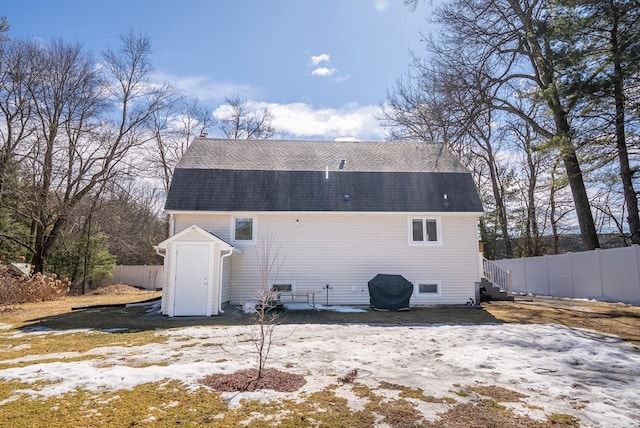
(194, 272)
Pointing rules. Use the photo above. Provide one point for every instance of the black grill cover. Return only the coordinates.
(390, 292)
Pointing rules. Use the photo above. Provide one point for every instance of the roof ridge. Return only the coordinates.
(313, 155)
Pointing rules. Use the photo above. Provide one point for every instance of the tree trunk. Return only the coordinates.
(4, 161)
(581, 201)
(576, 183)
(44, 244)
(541, 59)
(552, 213)
(626, 174)
(532, 247)
(87, 253)
(502, 213)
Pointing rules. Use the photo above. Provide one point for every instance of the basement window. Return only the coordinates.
(288, 287)
(424, 231)
(429, 288)
(282, 291)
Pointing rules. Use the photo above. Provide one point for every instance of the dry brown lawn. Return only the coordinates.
(609, 318)
(617, 319)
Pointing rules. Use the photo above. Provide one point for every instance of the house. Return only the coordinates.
(330, 215)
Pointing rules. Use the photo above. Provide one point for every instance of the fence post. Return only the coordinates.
(546, 268)
(573, 292)
(635, 253)
(524, 274)
(601, 279)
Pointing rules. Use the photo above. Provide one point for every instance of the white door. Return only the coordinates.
(192, 279)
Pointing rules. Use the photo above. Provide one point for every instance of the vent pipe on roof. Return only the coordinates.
(203, 135)
(326, 172)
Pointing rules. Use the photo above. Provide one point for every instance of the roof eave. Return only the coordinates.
(437, 213)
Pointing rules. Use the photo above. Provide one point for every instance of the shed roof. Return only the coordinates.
(281, 175)
(193, 229)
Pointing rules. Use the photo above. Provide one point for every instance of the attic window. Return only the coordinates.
(341, 164)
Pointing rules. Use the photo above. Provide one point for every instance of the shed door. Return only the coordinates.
(192, 282)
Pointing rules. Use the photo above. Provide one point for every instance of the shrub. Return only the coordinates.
(18, 288)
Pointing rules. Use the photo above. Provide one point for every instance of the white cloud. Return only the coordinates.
(381, 5)
(317, 59)
(293, 120)
(206, 89)
(350, 122)
(323, 71)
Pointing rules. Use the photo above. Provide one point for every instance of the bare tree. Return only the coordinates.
(129, 213)
(558, 206)
(418, 109)
(269, 262)
(173, 128)
(88, 119)
(437, 109)
(531, 166)
(4, 27)
(65, 101)
(239, 121)
(500, 52)
(16, 58)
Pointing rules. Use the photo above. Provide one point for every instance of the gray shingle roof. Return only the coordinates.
(270, 175)
(288, 155)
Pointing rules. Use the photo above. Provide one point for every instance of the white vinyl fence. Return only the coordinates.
(147, 277)
(609, 275)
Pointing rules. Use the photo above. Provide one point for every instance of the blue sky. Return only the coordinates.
(323, 67)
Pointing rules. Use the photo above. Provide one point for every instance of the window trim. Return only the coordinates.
(291, 283)
(288, 297)
(254, 229)
(417, 292)
(424, 219)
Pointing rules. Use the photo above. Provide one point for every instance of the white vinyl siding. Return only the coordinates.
(346, 250)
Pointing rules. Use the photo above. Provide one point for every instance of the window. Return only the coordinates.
(428, 288)
(424, 231)
(244, 229)
(282, 287)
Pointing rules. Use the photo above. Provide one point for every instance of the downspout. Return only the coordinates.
(172, 225)
(163, 255)
(155, 247)
(220, 282)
